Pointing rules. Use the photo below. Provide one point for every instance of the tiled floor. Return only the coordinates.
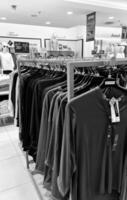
(15, 180)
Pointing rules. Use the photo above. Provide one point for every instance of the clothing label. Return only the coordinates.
(109, 82)
(114, 106)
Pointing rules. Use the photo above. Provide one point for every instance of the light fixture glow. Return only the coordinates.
(48, 23)
(69, 12)
(111, 17)
(3, 18)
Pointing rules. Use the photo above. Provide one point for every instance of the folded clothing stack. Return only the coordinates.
(4, 82)
(6, 117)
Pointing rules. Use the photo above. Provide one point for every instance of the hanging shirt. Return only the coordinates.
(89, 167)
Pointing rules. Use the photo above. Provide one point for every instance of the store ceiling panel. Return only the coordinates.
(54, 12)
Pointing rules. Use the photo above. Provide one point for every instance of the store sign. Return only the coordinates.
(124, 32)
(90, 26)
(108, 35)
(21, 47)
(115, 35)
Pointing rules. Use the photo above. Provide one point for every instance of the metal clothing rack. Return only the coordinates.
(94, 63)
(70, 64)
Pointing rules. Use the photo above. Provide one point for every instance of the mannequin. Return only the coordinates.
(6, 58)
(53, 43)
(110, 51)
(119, 50)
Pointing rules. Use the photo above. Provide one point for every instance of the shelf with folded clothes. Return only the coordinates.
(4, 85)
(6, 116)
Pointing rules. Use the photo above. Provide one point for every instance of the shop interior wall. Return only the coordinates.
(77, 32)
(109, 34)
(28, 31)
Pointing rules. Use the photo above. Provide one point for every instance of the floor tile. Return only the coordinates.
(12, 173)
(24, 192)
(4, 137)
(11, 128)
(17, 146)
(13, 134)
(15, 180)
(2, 129)
(23, 160)
(7, 150)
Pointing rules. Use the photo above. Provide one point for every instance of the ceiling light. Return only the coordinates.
(3, 18)
(69, 12)
(111, 18)
(47, 23)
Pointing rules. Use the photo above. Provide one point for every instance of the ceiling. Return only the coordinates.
(38, 12)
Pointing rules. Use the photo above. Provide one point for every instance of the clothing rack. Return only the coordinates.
(96, 63)
(70, 64)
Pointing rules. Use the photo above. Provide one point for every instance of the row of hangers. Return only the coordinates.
(112, 73)
(113, 76)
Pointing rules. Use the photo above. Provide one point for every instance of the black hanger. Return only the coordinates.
(112, 82)
(109, 80)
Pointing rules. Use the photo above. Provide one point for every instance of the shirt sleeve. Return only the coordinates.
(68, 153)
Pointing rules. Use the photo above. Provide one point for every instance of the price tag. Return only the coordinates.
(110, 82)
(114, 106)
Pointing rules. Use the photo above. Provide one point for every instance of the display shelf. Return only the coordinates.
(60, 53)
(66, 45)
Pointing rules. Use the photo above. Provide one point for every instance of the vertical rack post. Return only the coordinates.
(70, 81)
(20, 80)
(19, 74)
(70, 73)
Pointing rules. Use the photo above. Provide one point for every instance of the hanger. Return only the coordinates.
(111, 82)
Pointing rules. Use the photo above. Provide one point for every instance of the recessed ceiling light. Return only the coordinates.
(47, 23)
(3, 18)
(69, 12)
(111, 17)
